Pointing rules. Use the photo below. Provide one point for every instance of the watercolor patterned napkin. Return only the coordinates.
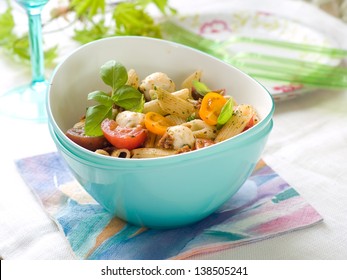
(264, 207)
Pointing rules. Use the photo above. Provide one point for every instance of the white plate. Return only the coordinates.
(262, 25)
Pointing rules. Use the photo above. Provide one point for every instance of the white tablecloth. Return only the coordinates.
(307, 147)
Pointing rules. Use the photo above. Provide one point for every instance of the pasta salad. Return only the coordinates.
(154, 117)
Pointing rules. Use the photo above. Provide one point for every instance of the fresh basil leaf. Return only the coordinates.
(101, 97)
(200, 88)
(114, 74)
(94, 117)
(226, 112)
(128, 97)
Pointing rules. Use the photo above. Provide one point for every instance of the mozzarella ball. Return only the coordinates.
(156, 80)
(130, 119)
(182, 136)
(201, 129)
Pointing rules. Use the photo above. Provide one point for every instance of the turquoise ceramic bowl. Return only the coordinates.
(166, 193)
(162, 192)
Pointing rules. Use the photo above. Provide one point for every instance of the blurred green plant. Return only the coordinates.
(90, 20)
(17, 46)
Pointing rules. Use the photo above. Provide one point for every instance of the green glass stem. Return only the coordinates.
(36, 46)
(27, 102)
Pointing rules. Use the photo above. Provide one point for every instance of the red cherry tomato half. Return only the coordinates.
(123, 137)
(89, 142)
(251, 122)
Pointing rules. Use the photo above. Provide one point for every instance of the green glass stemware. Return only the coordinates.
(28, 101)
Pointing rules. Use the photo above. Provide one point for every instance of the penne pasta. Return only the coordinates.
(102, 152)
(151, 140)
(201, 129)
(182, 93)
(153, 106)
(174, 105)
(188, 82)
(121, 153)
(151, 152)
(133, 79)
(237, 123)
(175, 119)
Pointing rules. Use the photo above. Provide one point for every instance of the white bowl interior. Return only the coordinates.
(78, 74)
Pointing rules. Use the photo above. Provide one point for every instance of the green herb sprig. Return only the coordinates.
(90, 20)
(115, 75)
(17, 46)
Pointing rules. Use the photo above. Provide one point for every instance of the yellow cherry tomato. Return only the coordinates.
(156, 123)
(211, 106)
